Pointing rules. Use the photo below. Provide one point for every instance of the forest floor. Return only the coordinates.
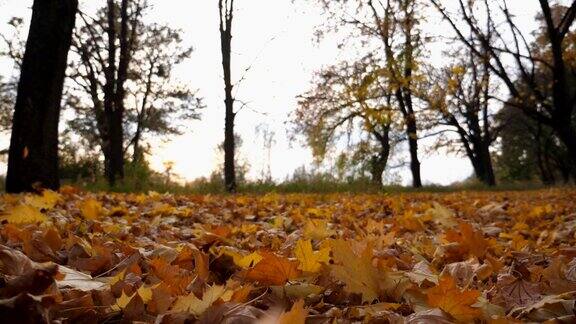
(400, 258)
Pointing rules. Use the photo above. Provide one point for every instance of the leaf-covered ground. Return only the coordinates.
(412, 258)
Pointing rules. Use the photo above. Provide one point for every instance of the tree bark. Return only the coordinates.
(226, 11)
(114, 89)
(412, 132)
(486, 172)
(558, 112)
(567, 135)
(380, 161)
(33, 156)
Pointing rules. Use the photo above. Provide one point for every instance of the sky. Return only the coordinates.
(275, 38)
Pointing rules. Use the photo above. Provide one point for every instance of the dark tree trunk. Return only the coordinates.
(114, 89)
(109, 90)
(138, 151)
(226, 10)
(412, 132)
(558, 112)
(380, 161)
(485, 171)
(567, 135)
(477, 148)
(33, 157)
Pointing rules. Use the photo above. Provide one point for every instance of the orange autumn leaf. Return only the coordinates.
(273, 270)
(454, 301)
(241, 295)
(472, 241)
(296, 315)
(190, 258)
(175, 277)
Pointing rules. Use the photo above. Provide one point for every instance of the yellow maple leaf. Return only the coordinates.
(197, 306)
(24, 214)
(317, 229)
(123, 301)
(91, 209)
(241, 260)
(47, 200)
(117, 278)
(146, 292)
(441, 215)
(296, 315)
(357, 272)
(449, 298)
(310, 261)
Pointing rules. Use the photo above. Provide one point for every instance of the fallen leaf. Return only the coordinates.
(317, 229)
(91, 209)
(310, 261)
(24, 214)
(197, 306)
(357, 272)
(273, 270)
(296, 315)
(454, 301)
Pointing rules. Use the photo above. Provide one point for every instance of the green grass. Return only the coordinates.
(315, 186)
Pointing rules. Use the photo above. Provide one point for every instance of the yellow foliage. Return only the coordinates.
(296, 315)
(196, 306)
(310, 261)
(317, 229)
(24, 214)
(356, 271)
(91, 209)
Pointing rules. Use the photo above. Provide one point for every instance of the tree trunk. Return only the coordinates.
(378, 165)
(138, 152)
(114, 91)
(412, 133)
(567, 135)
(33, 157)
(226, 10)
(487, 175)
(116, 162)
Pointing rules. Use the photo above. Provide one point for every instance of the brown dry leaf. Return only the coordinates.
(175, 277)
(161, 299)
(517, 292)
(422, 273)
(231, 313)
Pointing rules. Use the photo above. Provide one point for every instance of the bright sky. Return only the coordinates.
(276, 39)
